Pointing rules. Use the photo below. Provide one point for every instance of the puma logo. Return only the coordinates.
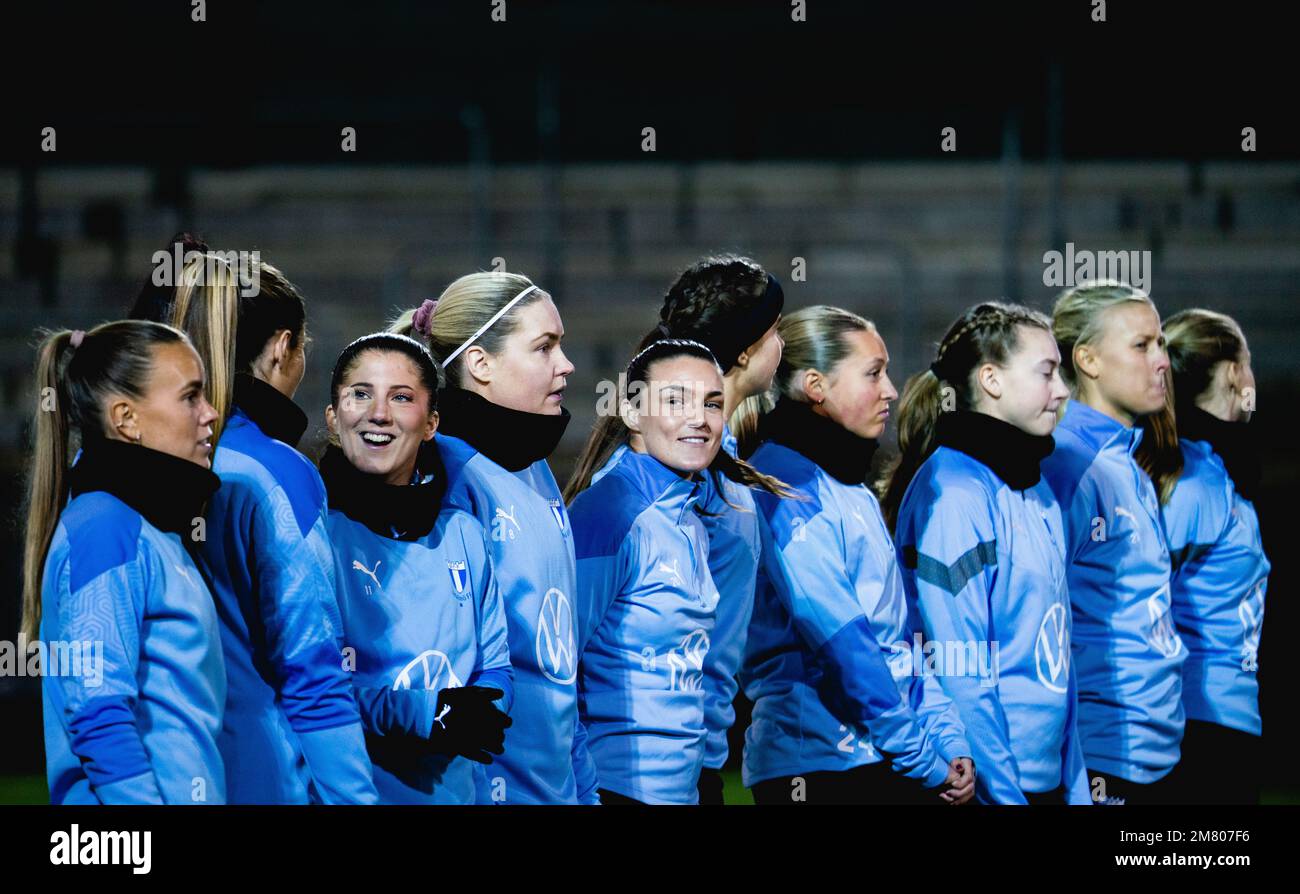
(672, 571)
(1120, 511)
(501, 531)
(357, 566)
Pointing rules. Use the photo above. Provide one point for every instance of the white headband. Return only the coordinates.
(486, 326)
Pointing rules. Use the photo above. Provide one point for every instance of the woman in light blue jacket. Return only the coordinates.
(291, 733)
(647, 599)
(497, 338)
(842, 710)
(1220, 572)
(1127, 655)
(133, 702)
(732, 306)
(423, 625)
(980, 539)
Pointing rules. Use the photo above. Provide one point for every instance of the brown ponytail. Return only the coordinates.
(1158, 453)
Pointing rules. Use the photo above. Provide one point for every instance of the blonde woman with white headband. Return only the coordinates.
(497, 337)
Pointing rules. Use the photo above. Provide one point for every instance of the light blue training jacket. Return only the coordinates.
(292, 732)
(985, 565)
(421, 616)
(1128, 657)
(646, 606)
(735, 547)
(830, 662)
(546, 759)
(1220, 575)
(133, 682)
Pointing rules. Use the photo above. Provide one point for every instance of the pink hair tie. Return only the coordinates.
(77, 336)
(423, 316)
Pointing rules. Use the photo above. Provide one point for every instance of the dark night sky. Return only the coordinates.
(262, 83)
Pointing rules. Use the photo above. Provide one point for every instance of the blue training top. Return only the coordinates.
(646, 608)
(139, 725)
(985, 564)
(1220, 575)
(829, 662)
(292, 732)
(1128, 656)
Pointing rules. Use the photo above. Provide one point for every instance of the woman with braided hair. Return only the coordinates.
(733, 306)
(980, 541)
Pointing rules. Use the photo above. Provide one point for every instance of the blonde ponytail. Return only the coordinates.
(46, 484)
(207, 309)
(72, 384)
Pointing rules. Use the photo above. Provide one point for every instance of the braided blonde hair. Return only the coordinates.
(986, 333)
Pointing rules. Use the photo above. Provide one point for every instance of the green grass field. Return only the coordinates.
(23, 790)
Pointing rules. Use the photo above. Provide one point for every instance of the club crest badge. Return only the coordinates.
(459, 578)
(557, 511)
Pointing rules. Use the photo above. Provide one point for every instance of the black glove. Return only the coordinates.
(468, 724)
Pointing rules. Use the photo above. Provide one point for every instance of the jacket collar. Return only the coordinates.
(1011, 453)
(659, 485)
(834, 449)
(398, 512)
(276, 415)
(512, 439)
(168, 491)
(1096, 429)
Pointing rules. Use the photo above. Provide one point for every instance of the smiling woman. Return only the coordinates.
(674, 405)
(383, 405)
(732, 306)
(644, 584)
(393, 539)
